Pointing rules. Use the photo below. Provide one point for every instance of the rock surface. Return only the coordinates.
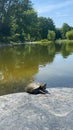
(23, 111)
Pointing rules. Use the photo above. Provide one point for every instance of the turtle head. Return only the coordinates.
(42, 87)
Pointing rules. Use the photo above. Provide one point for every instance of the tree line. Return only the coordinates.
(19, 22)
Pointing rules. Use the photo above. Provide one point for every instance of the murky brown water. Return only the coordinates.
(52, 64)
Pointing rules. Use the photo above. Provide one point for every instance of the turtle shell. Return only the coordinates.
(35, 88)
(32, 86)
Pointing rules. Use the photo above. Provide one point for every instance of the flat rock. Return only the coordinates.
(23, 111)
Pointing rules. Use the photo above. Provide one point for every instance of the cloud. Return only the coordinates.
(59, 14)
(48, 8)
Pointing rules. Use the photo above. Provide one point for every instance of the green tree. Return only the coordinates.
(7, 11)
(13, 18)
(69, 35)
(30, 23)
(51, 35)
(58, 33)
(45, 24)
(65, 28)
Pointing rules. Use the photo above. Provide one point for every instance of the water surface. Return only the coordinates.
(51, 64)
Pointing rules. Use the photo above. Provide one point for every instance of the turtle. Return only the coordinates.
(36, 88)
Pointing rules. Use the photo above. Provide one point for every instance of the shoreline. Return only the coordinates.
(17, 44)
(58, 41)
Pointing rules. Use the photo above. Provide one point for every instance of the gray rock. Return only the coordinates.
(23, 111)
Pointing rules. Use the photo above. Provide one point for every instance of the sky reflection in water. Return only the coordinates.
(59, 73)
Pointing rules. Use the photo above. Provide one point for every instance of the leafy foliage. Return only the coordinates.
(65, 28)
(58, 33)
(51, 35)
(69, 35)
(45, 24)
(20, 22)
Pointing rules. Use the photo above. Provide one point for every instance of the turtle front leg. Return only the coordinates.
(43, 91)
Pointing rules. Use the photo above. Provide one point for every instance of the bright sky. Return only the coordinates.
(61, 11)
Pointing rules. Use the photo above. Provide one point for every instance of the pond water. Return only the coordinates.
(51, 64)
